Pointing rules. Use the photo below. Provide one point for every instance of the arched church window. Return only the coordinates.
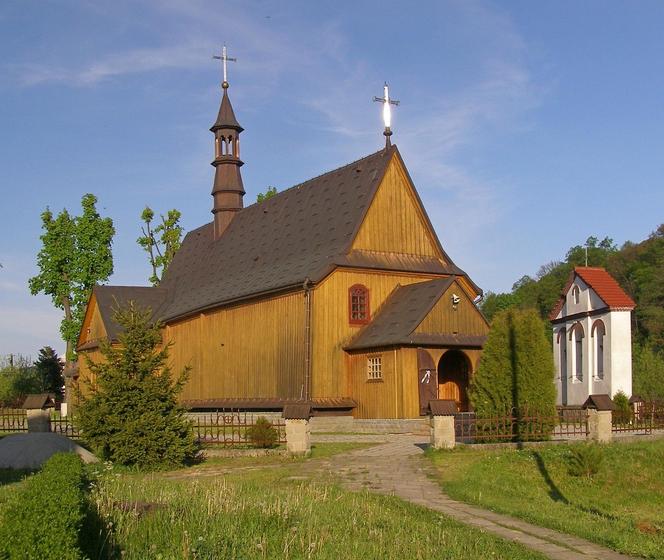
(575, 294)
(358, 305)
(599, 332)
(577, 335)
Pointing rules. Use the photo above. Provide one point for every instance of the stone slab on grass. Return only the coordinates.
(30, 451)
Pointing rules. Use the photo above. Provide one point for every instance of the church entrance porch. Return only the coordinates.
(454, 370)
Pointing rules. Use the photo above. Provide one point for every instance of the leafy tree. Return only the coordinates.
(269, 193)
(75, 255)
(648, 373)
(18, 378)
(48, 368)
(493, 303)
(130, 413)
(162, 242)
(516, 368)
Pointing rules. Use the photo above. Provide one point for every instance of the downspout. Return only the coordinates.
(307, 339)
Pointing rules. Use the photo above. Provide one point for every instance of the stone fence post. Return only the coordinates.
(298, 431)
(38, 420)
(600, 418)
(442, 424)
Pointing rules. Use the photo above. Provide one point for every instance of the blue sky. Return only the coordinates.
(526, 126)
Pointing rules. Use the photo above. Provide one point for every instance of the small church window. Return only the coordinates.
(575, 294)
(600, 332)
(375, 368)
(578, 335)
(358, 302)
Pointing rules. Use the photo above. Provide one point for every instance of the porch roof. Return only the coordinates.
(401, 314)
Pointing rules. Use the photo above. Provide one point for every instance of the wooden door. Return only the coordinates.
(427, 380)
(453, 373)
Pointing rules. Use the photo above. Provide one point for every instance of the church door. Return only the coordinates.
(453, 374)
(426, 380)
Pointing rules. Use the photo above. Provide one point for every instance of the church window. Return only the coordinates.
(600, 332)
(358, 302)
(375, 368)
(575, 294)
(578, 335)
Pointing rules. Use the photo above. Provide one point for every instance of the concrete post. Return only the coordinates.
(599, 425)
(38, 420)
(442, 432)
(298, 436)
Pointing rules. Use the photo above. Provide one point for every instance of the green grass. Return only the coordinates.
(622, 507)
(267, 513)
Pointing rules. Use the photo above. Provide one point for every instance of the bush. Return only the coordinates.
(43, 519)
(623, 411)
(131, 415)
(585, 460)
(515, 373)
(262, 433)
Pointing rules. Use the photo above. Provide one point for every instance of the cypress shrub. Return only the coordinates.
(515, 373)
(43, 519)
(262, 433)
(131, 415)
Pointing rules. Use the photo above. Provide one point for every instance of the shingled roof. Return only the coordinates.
(301, 233)
(401, 314)
(603, 284)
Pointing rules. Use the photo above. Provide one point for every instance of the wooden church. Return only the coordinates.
(335, 291)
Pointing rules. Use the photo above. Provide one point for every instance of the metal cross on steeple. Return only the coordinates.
(224, 59)
(387, 112)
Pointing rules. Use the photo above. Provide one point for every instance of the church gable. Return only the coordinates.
(454, 313)
(93, 328)
(396, 221)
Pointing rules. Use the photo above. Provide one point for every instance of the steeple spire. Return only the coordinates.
(387, 112)
(227, 189)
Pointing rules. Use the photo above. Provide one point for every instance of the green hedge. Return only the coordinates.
(43, 519)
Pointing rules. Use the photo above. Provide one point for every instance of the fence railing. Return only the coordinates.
(13, 420)
(231, 428)
(65, 426)
(514, 426)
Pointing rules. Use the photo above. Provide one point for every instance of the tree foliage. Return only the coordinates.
(130, 414)
(269, 193)
(516, 368)
(648, 373)
(18, 378)
(160, 242)
(75, 255)
(48, 368)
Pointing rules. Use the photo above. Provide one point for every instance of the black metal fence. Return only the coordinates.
(520, 426)
(230, 428)
(643, 418)
(65, 426)
(13, 420)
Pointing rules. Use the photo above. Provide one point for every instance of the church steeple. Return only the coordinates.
(227, 189)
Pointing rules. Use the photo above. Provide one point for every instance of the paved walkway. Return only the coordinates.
(395, 468)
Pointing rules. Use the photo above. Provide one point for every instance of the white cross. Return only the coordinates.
(386, 101)
(224, 58)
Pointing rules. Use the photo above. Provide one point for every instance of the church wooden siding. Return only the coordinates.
(443, 318)
(395, 222)
(331, 329)
(93, 325)
(376, 398)
(253, 350)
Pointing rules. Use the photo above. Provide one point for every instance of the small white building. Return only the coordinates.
(592, 337)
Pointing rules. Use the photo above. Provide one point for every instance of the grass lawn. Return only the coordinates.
(621, 507)
(273, 513)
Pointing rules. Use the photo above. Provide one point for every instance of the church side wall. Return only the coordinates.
(253, 350)
(376, 398)
(331, 327)
(619, 354)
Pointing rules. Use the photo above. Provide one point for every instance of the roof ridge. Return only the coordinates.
(316, 177)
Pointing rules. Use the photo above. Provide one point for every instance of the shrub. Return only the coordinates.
(623, 411)
(262, 433)
(585, 460)
(515, 373)
(43, 519)
(131, 415)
